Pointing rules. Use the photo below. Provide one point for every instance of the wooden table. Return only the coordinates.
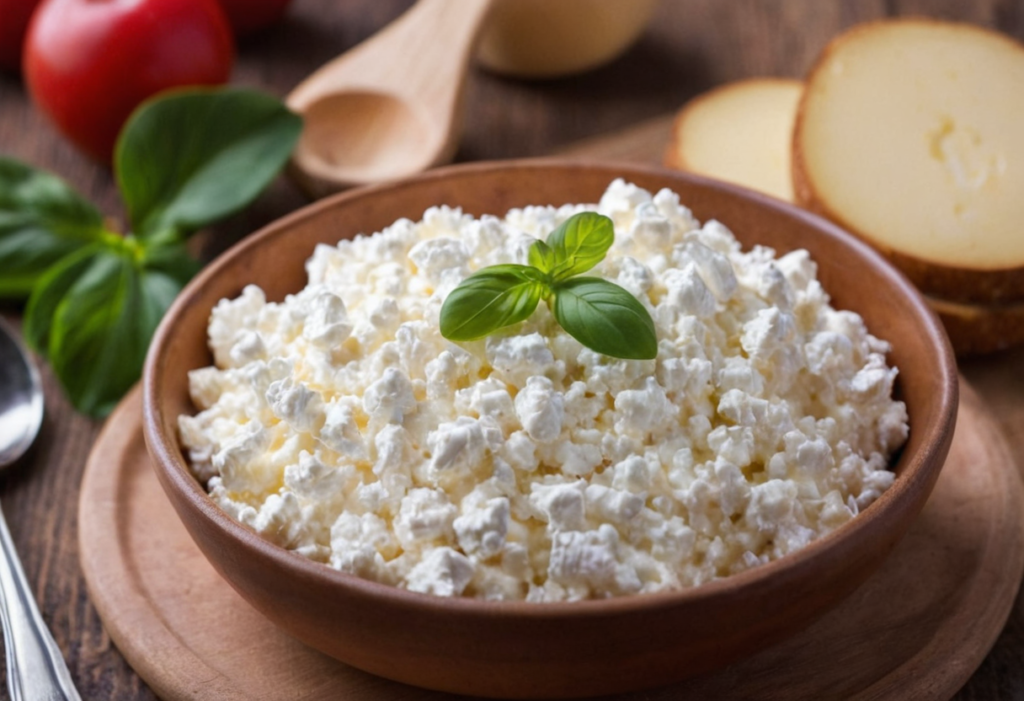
(691, 46)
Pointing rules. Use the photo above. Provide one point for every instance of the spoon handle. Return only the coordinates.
(35, 667)
(422, 57)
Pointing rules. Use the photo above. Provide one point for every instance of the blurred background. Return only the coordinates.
(688, 47)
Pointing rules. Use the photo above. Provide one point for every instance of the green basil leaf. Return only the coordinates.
(102, 328)
(489, 299)
(542, 257)
(189, 158)
(580, 243)
(41, 221)
(50, 291)
(606, 318)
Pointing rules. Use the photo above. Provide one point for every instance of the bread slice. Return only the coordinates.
(910, 133)
(740, 132)
(975, 329)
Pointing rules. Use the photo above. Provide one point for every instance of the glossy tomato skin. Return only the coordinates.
(249, 16)
(14, 17)
(89, 63)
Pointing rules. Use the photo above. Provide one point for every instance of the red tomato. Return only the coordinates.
(14, 17)
(248, 16)
(89, 63)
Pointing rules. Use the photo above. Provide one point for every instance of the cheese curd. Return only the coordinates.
(340, 423)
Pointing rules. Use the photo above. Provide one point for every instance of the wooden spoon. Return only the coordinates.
(390, 107)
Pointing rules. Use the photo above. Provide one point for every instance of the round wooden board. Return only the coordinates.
(916, 630)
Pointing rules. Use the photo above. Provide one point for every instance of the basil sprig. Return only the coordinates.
(95, 297)
(41, 221)
(599, 314)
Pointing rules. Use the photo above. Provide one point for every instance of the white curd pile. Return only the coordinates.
(342, 425)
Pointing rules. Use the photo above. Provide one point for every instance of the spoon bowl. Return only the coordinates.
(391, 106)
(357, 137)
(21, 399)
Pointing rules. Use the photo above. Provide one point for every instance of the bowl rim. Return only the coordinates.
(921, 467)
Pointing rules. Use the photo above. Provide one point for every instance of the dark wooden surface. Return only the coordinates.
(691, 46)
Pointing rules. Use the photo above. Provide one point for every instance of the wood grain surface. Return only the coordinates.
(691, 46)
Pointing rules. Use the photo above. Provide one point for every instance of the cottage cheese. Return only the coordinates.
(340, 424)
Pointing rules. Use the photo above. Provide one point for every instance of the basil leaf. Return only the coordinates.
(50, 291)
(189, 158)
(542, 257)
(41, 221)
(580, 243)
(104, 321)
(489, 299)
(92, 344)
(606, 318)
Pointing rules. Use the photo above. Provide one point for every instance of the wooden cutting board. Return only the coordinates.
(917, 629)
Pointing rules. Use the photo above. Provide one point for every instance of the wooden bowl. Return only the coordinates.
(519, 649)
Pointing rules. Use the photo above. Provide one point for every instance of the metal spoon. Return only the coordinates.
(35, 667)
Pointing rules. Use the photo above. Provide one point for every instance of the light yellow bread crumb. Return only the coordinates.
(740, 132)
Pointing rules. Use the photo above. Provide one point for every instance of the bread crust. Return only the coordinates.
(970, 285)
(976, 329)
